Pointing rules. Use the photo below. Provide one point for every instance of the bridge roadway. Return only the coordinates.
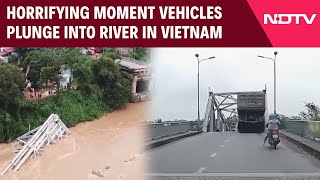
(230, 153)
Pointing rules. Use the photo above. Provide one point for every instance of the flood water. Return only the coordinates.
(107, 148)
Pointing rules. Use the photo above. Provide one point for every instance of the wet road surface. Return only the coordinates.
(230, 154)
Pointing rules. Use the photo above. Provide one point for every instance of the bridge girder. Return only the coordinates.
(220, 108)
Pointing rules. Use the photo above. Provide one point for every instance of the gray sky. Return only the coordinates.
(233, 69)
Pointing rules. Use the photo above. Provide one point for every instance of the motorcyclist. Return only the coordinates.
(272, 124)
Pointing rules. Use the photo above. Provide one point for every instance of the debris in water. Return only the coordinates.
(97, 174)
(132, 159)
(107, 168)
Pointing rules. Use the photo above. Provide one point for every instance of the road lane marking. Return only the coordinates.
(222, 146)
(228, 139)
(213, 155)
(200, 170)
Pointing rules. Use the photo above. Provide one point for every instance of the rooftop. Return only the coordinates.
(6, 50)
(3, 53)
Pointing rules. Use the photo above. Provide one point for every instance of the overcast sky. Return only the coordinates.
(233, 69)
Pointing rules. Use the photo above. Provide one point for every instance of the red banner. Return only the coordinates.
(150, 23)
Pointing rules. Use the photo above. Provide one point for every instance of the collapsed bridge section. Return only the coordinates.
(31, 143)
(140, 77)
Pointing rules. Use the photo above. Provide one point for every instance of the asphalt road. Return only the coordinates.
(230, 153)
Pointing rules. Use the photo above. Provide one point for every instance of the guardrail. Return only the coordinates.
(309, 129)
(156, 130)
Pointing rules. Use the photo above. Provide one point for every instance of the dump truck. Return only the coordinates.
(251, 108)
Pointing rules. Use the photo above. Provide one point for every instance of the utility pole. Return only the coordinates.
(274, 80)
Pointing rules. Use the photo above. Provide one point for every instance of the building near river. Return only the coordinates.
(65, 77)
(6, 53)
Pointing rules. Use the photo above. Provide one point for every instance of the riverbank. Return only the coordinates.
(106, 148)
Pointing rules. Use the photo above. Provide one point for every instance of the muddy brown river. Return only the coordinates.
(106, 148)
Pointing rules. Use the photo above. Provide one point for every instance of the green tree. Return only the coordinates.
(83, 74)
(312, 113)
(50, 58)
(106, 72)
(79, 64)
(47, 73)
(33, 75)
(111, 54)
(11, 86)
(22, 53)
(108, 76)
(141, 54)
(72, 57)
(106, 50)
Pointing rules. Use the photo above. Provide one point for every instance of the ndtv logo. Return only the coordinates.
(288, 18)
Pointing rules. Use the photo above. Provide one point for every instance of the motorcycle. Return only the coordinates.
(273, 138)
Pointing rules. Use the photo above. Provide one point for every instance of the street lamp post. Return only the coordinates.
(197, 56)
(274, 79)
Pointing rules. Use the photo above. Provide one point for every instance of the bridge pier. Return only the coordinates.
(134, 85)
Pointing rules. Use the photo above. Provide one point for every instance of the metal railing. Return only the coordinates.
(309, 129)
(156, 130)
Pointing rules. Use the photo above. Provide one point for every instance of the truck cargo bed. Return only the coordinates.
(251, 108)
(251, 100)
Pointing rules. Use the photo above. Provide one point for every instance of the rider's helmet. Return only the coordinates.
(274, 116)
